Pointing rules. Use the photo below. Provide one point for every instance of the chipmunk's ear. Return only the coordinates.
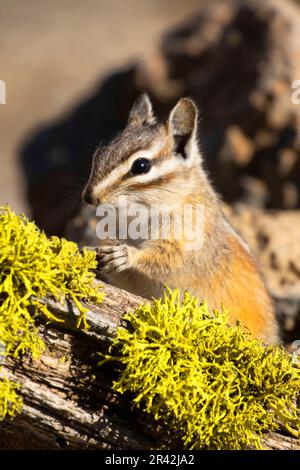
(182, 125)
(141, 112)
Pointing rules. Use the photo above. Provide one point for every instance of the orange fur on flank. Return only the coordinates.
(242, 291)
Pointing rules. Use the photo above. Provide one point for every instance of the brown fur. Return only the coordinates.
(223, 271)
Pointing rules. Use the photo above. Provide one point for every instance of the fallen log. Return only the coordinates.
(68, 399)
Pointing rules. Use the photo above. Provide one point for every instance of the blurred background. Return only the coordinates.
(54, 53)
(73, 69)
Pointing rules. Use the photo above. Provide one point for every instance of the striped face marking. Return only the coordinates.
(161, 165)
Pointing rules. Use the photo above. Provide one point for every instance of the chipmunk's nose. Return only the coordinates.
(87, 196)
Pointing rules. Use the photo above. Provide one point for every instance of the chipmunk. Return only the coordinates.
(153, 162)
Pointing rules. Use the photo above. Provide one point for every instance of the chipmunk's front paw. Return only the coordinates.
(116, 258)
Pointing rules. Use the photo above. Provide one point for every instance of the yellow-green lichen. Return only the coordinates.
(215, 385)
(31, 267)
(10, 401)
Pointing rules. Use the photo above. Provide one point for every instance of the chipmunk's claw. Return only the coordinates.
(114, 258)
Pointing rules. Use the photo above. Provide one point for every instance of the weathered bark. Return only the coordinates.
(68, 400)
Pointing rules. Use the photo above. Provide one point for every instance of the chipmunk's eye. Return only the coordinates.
(140, 166)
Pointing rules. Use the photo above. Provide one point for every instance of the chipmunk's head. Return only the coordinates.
(148, 162)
